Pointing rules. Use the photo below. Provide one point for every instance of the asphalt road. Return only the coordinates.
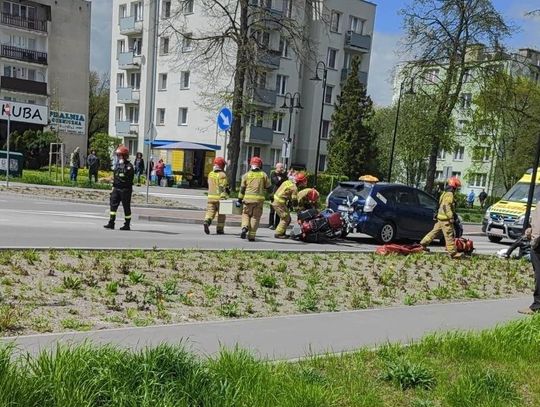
(26, 222)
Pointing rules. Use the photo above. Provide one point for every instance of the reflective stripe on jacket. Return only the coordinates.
(217, 186)
(286, 192)
(253, 187)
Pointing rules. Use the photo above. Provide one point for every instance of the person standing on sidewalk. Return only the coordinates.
(286, 198)
(139, 167)
(92, 163)
(482, 198)
(122, 188)
(74, 164)
(160, 171)
(252, 194)
(277, 177)
(533, 234)
(218, 189)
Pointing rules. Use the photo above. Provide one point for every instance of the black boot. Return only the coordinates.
(244, 233)
(206, 226)
(109, 225)
(126, 225)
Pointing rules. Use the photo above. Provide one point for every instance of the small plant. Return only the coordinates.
(71, 283)
(112, 287)
(229, 309)
(136, 277)
(10, 317)
(281, 267)
(74, 324)
(410, 300)
(267, 280)
(31, 256)
(186, 299)
(211, 292)
(408, 375)
(170, 287)
(309, 300)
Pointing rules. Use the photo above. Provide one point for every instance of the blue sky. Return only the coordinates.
(385, 38)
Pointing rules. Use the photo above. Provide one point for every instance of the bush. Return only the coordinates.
(408, 375)
(326, 182)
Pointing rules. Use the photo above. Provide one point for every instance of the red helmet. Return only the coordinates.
(300, 178)
(256, 162)
(219, 162)
(123, 151)
(454, 182)
(313, 195)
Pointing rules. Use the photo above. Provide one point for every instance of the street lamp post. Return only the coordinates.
(320, 65)
(292, 106)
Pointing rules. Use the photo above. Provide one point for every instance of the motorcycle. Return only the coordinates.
(314, 226)
(349, 215)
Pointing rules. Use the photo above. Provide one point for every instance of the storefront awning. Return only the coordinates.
(182, 145)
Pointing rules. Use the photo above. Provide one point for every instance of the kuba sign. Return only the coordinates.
(24, 112)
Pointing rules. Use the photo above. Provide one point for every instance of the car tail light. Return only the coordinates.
(370, 204)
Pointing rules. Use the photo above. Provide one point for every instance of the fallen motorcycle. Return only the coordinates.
(315, 227)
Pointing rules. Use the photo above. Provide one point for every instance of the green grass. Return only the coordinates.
(496, 368)
(42, 177)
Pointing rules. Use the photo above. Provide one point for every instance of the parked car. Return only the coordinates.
(387, 212)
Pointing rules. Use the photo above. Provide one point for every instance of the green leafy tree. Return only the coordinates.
(34, 145)
(98, 110)
(352, 148)
(104, 146)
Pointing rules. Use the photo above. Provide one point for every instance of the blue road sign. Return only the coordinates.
(224, 119)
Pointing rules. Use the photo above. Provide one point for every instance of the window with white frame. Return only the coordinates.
(438, 175)
(120, 47)
(459, 152)
(284, 47)
(162, 81)
(322, 163)
(252, 151)
(331, 58)
(329, 94)
(456, 174)
(19, 10)
(325, 130)
(478, 180)
(356, 25)
(287, 8)
(188, 7)
(441, 154)
(160, 116)
(132, 145)
(119, 113)
(482, 154)
(137, 10)
(31, 74)
(184, 79)
(133, 114)
(137, 46)
(187, 42)
(335, 20)
(135, 80)
(257, 118)
(122, 11)
(164, 45)
(466, 100)
(281, 84)
(275, 155)
(183, 116)
(467, 76)
(166, 9)
(120, 80)
(277, 124)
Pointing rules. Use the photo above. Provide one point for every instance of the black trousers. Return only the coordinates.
(273, 219)
(92, 174)
(121, 196)
(535, 259)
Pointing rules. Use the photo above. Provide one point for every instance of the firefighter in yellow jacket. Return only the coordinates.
(287, 197)
(218, 189)
(308, 198)
(252, 194)
(445, 219)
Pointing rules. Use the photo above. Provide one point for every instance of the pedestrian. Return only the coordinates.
(122, 188)
(285, 198)
(74, 164)
(482, 198)
(445, 219)
(252, 194)
(277, 177)
(308, 198)
(138, 164)
(92, 163)
(160, 171)
(470, 199)
(218, 189)
(534, 237)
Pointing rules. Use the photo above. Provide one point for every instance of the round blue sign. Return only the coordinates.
(224, 119)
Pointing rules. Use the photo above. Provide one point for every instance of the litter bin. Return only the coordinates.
(16, 161)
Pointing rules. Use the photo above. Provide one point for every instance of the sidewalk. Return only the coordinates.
(301, 335)
(192, 217)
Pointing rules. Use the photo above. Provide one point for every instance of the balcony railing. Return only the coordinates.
(128, 60)
(260, 135)
(126, 128)
(271, 59)
(23, 22)
(359, 41)
(362, 76)
(128, 95)
(129, 25)
(23, 54)
(23, 85)
(265, 96)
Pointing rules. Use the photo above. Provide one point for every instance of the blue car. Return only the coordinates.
(387, 212)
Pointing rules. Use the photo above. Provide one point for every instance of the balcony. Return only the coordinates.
(128, 60)
(23, 85)
(22, 54)
(126, 129)
(270, 59)
(23, 22)
(265, 96)
(358, 41)
(259, 135)
(129, 25)
(128, 95)
(362, 76)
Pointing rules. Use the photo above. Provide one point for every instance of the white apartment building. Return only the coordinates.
(44, 66)
(347, 31)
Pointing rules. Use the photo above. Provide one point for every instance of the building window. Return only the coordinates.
(133, 115)
(188, 7)
(161, 117)
(162, 82)
(331, 58)
(328, 94)
(256, 118)
(281, 84)
(132, 145)
(478, 180)
(322, 163)
(356, 25)
(120, 80)
(166, 9)
(467, 76)
(252, 151)
(120, 47)
(184, 80)
(459, 152)
(275, 155)
(119, 114)
(135, 80)
(456, 174)
(122, 10)
(438, 175)
(31, 74)
(260, 80)
(335, 19)
(441, 155)
(482, 154)
(137, 46)
(187, 43)
(287, 8)
(164, 45)
(183, 116)
(466, 100)
(431, 76)
(284, 47)
(277, 124)
(325, 131)
(137, 10)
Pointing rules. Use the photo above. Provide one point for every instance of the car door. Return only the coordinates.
(428, 206)
(408, 212)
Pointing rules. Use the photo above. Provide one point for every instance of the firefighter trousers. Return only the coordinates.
(284, 217)
(212, 209)
(121, 196)
(447, 230)
(251, 217)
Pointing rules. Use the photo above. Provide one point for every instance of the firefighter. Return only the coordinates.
(218, 189)
(308, 198)
(445, 219)
(252, 194)
(285, 198)
(122, 188)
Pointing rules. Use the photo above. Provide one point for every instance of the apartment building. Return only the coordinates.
(45, 59)
(344, 30)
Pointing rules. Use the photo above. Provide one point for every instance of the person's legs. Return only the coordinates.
(426, 241)
(126, 204)
(535, 259)
(285, 219)
(221, 219)
(449, 238)
(211, 210)
(245, 220)
(255, 220)
(272, 217)
(114, 204)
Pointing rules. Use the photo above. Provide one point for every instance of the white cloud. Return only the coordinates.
(100, 49)
(384, 58)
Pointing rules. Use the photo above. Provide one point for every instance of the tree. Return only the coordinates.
(352, 148)
(444, 35)
(34, 145)
(104, 146)
(234, 42)
(98, 110)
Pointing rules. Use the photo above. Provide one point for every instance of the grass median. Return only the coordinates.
(497, 368)
(73, 290)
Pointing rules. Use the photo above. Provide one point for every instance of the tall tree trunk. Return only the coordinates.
(432, 166)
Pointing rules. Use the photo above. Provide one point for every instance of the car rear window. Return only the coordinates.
(344, 190)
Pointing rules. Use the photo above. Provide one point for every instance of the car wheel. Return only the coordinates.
(387, 234)
(495, 239)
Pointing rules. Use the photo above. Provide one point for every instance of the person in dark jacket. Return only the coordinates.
(277, 177)
(122, 188)
(74, 164)
(92, 163)
(139, 167)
